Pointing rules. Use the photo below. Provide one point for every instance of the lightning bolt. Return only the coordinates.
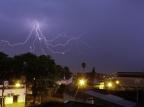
(44, 43)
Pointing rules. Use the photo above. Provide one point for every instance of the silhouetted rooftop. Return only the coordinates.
(130, 74)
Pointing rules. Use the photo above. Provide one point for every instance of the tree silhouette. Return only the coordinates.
(83, 64)
(5, 65)
(39, 71)
(93, 70)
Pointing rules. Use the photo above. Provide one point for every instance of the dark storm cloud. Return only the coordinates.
(112, 30)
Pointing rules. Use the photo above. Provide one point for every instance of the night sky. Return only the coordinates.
(112, 31)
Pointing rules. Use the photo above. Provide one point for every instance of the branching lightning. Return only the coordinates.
(39, 38)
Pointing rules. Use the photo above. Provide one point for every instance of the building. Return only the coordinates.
(130, 80)
(14, 95)
(92, 77)
(65, 81)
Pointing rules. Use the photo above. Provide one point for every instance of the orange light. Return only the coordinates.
(109, 84)
(82, 82)
(117, 82)
(17, 85)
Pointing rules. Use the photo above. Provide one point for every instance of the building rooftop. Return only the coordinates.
(130, 74)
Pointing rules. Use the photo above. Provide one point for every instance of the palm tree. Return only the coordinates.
(93, 70)
(83, 64)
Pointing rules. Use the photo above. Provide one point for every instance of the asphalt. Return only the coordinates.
(69, 104)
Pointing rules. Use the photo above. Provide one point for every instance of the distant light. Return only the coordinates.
(109, 84)
(17, 85)
(117, 82)
(82, 82)
(101, 85)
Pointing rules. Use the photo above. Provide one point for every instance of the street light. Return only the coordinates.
(117, 82)
(109, 84)
(82, 82)
(17, 85)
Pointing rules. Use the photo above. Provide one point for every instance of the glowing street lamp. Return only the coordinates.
(109, 84)
(117, 82)
(82, 82)
(17, 85)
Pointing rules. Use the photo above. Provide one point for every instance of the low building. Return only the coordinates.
(92, 77)
(130, 80)
(13, 95)
(65, 81)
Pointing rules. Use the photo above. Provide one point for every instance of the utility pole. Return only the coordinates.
(137, 95)
(3, 95)
(4, 84)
